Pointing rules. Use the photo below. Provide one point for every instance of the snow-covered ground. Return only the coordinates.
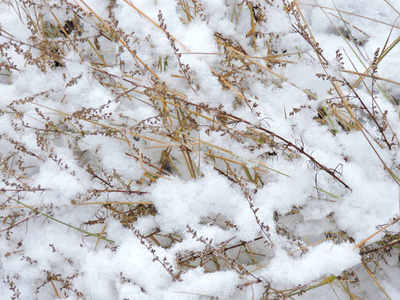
(213, 149)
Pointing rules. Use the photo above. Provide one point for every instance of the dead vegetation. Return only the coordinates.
(180, 136)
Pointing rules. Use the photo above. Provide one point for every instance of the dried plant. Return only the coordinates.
(50, 127)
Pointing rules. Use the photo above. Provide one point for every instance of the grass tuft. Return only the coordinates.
(91, 139)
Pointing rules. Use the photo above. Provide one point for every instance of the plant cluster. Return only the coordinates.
(114, 121)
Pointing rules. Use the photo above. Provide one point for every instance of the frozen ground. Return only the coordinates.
(190, 150)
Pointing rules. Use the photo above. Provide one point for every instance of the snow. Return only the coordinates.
(321, 260)
(87, 215)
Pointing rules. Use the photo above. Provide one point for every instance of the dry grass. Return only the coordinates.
(175, 141)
